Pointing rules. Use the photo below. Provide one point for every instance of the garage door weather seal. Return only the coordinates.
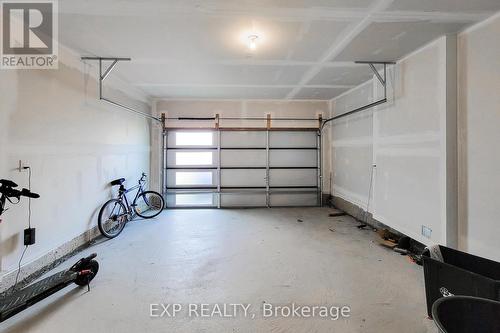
(103, 76)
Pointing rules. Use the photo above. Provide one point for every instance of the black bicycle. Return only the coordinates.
(115, 213)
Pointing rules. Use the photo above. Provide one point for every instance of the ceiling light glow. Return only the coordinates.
(252, 42)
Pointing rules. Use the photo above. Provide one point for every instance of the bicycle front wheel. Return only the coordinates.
(149, 204)
(112, 218)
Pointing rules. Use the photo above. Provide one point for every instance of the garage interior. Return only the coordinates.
(308, 152)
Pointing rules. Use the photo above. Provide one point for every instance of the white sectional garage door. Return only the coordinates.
(233, 168)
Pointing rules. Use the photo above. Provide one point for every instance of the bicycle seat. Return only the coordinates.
(7, 183)
(119, 181)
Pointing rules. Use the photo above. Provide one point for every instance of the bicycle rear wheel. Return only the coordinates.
(149, 204)
(112, 218)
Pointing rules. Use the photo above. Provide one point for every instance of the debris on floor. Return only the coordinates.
(401, 244)
(388, 239)
(388, 243)
(300, 220)
(387, 235)
(398, 243)
(337, 214)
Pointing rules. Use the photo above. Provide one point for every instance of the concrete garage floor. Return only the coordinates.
(239, 256)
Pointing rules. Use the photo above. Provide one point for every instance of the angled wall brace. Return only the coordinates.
(382, 80)
(105, 74)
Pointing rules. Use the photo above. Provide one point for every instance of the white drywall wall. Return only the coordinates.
(352, 146)
(53, 122)
(406, 140)
(413, 141)
(479, 137)
(244, 108)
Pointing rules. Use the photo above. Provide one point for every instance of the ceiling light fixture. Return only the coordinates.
(252, 41)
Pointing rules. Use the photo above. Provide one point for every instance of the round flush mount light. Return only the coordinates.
(252, 41)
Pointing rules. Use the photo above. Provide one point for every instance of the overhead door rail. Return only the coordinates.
(382, 80)
(105, 74)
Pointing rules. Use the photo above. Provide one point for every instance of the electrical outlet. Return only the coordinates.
(426, 231)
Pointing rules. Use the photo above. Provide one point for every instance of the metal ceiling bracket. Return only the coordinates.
(377, 74)
(105, 74)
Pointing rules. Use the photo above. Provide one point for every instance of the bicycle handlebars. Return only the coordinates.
(7, 190)
(7, 183)
(27, 193)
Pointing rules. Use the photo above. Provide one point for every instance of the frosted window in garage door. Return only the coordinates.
(191, 139)
(201, 199)
(180, 158)
(191, 178)
(179, 199)
(193, 158)
(194, 139)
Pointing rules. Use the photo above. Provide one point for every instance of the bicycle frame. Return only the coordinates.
(122, 191)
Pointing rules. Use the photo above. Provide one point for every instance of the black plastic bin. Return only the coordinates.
(466, 314)
(460, 273)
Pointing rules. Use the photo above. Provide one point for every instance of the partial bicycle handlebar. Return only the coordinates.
(7, 190)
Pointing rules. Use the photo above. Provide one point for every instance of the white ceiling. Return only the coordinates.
(306, 49)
